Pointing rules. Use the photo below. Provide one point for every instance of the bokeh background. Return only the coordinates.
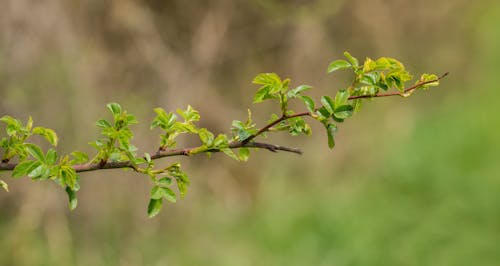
(411, 181)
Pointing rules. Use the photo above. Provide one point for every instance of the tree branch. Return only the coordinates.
(166, 153)
(248, 143)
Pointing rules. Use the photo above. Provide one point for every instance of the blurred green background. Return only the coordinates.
(411, 181)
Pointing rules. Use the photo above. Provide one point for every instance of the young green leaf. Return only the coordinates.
(35, 151)
(369, 65)
(330, 131)
(309, 102)
(243, 154)
(341, 98)
(297, 91)
(9, 120)
(323, 113)
(24, 168)
(240, 130)
(169, 195)
(328, 104)
(206, 137)
(338, 64)
(164, 181)
(131, 119)
(49, 134)
(426, 78)
(190, 114)
(343, 111)
(115, 109)
(271, 85)
(51, 157)
(261, 95)
(73, 202)
(230, 153)
(154, 207)
(354, 62)
(158, 192)
(182, 186)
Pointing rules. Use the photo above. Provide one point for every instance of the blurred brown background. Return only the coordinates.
(410, 182)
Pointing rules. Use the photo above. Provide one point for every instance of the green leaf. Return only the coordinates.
(67, 176)
(164, 181)
(267, 79)
(220, 141)
(29, 124)
(158, 192)
(190, 114)
(243, 154)
(73, 202)
(323, 113)
(182, 186)
(271, 85)
(261, 95)
(115, 109)
(338, 64)
(369, 65)
(103, 124)
(383, 63)
(240, 129)
(371, 78)
(49, 134)
(297, 91)
(35, 151)
(4, 185)
(51, 157)
(154, 207)
(354, 62)
(309, 102)
(40, 172)
(131, 119)
(343, 111)
(230, 153)
(163, 120)
(206, 136)
(24, 168)
(328, 104)
(428, 77)
(341, 98)
(330, 131)
(9, 120)
(169, 195)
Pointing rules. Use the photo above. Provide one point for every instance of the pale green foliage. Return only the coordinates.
(115, 146)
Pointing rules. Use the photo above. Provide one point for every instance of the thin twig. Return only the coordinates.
(286, 117)
(397, 93)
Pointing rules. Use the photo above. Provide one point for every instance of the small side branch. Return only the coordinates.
(397, 93)
(267, 146)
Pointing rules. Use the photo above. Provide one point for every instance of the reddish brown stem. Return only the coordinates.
(166, 153)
